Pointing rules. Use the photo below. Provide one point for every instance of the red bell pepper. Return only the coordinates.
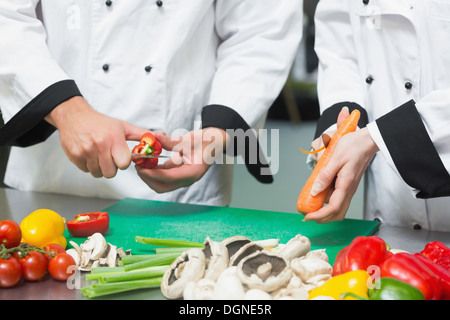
(408, 268)
(148, 145)
(86, 224)
(442, 274)
(439, 253)
(360, 254)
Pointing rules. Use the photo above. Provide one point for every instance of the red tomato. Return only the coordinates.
(59, 266)
(10, 272)
(10, 233)
(53, 248)
(34, 266)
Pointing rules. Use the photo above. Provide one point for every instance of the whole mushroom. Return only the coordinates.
(189, 266)
(264, 270)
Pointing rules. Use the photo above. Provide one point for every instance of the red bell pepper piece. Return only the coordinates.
(86, 224)
(360, 254)
(408, 268)
(148, 145)
(437, 252)
(442, 274)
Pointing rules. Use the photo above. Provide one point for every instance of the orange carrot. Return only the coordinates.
(306, 203)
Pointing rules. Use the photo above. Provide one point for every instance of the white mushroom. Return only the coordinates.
(216, 255)
(190, 266)
(75, 256)
(100, 245)
(292, 293)
(318, 253)
(234, 243)
(243, 252)
(112, 255)
(264, 270)
(296, 247)
(256, 294)
(204, 289)
(305, 268)
(228, 287)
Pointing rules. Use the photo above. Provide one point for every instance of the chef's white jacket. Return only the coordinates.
(391, 60)
(162, 65)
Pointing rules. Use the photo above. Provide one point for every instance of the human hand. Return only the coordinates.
(94, 142)
(350, 159)
(192, 156)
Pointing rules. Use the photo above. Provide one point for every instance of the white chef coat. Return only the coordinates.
(391, 59)
(155, 64)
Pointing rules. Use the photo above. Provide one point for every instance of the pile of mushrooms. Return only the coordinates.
(96, 252)
(240, 269)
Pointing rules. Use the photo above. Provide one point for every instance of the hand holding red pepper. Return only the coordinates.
(193, 154)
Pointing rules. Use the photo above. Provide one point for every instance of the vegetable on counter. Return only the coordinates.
(86, 224)
(307, 203)
(42, 227)
(442, 274)
(390, 289)
(406, 267)
(352, 281)
(360, 254)
(30, 263)
(439, 253)
(10, 233)
(148, 145)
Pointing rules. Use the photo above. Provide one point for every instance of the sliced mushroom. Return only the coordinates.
(76, 247)
(243, 252)
(75, 256)
(306, 268)
(264, 270)
(100, 245)
(112, 255)
(216, 255)
(189, 266)
(295, 247)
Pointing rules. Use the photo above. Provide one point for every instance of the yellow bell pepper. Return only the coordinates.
(352, 281)
(42, 227)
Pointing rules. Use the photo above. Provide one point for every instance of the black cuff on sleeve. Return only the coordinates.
(330, 115)
(413, 152)
(225, 118)
(28, 126)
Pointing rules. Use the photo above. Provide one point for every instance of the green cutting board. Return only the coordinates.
(168, 220)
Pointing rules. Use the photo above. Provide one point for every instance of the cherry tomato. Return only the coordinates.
(34, 266)
(10, 272)
(58, 267)
(53, 248)
(10, 233)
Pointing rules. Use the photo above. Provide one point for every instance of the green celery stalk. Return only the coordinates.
(145, 273)
(144, 257)
(168, 242)
(157, 260)
(102, 289)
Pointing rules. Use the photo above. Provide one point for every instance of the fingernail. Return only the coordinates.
(316, 189)
(345, 108)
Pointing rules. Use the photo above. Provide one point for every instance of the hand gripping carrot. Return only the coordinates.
(306, 202)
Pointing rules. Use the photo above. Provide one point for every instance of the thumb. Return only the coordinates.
(167, 142)
(344, 114)
(132, 132)
(325, 178)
